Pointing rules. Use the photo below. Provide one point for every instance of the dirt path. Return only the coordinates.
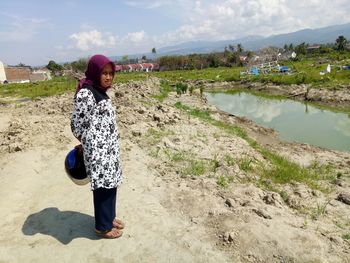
(48, 219)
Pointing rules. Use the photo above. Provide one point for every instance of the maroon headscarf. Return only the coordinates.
(93, 71)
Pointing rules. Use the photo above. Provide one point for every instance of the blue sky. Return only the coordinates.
(34, 32)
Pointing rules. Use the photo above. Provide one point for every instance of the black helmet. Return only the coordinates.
(75, 168)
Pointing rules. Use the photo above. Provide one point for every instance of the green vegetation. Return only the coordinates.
(189, 164)
(346, 237)
(320, 210)
(230, 161)
(305, 71)
(245, 164)
(222, 181)
(155, 136)
(165, 88)
(181, 88)
(279, 170)
(56, 86)
(54, 67)
(124, 77)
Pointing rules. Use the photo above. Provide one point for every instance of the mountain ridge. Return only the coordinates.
(322, 35)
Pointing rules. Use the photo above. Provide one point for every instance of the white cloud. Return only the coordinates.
(88, 40)
(232, 19)
(215, 20)
(135, 37)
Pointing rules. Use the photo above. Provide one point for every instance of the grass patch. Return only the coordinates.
(320, 210)
(56, 86)
(191, 166)
(245, 164)
(306, 70)
(229, 160)
(195, 168)
(222, 181)
(155, 136)
(164, 91)
(176, 157)
(280, 170)
(346, 237)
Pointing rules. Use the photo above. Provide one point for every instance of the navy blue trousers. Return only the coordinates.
(104, 206)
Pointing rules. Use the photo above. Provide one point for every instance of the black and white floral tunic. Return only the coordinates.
(94, 122)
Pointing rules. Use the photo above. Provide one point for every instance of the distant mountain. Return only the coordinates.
(312, 36)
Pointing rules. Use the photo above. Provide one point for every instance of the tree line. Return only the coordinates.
(231, 56)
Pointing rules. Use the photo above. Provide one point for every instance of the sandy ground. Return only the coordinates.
(169, 218)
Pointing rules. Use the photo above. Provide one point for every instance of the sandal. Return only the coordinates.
(109, 234)
(118, 224)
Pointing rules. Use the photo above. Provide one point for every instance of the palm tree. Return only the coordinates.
(239, 48)
(341, 43)
(231, 48)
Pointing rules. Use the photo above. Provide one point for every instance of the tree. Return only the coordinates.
(54, 67)
(239, 48)
(301, 48)
(341, 43)
(213, 60)
(291, 47)
(125, 59)
(154, 51)
(231, 48)
(80, 65)
(21, 65)
(143, 58)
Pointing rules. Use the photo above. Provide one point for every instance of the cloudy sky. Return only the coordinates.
(36, 31)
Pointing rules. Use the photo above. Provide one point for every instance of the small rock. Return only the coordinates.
(156, 117)
(15, 147)
(262, 213)
(339, 182)
(245, 203)
(229, 237)
(136, 133)
(118, 94)
(273, 199)
(229, 202)
(168, 143)
(336, 240)
(194, 220)
(141, 110)
(344, 198)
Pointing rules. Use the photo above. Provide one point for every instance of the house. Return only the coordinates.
(22, 74)
(118, 68)
(312, 48)
(17, 74)
(135, 67)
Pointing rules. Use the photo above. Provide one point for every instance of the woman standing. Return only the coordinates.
(93, 123)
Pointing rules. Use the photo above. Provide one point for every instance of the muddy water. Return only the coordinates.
(294, 121)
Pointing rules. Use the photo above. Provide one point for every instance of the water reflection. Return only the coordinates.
(294, 121)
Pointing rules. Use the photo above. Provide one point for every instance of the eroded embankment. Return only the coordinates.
(229, 174)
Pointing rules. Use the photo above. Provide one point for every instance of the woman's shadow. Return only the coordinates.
(62, 225)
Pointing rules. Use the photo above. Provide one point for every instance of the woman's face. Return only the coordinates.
(106, 76)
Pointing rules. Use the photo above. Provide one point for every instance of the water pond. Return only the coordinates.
(294, 121)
